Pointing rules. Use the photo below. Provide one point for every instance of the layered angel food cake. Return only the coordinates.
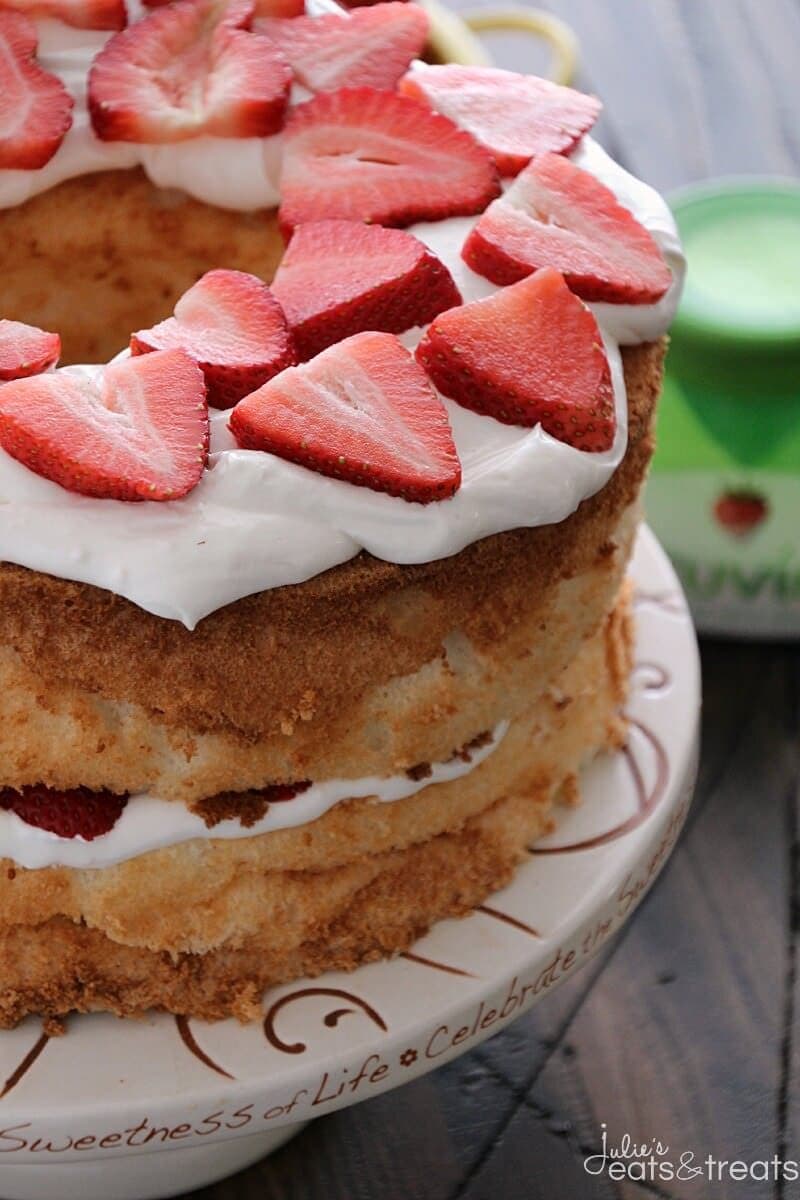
(312, 595)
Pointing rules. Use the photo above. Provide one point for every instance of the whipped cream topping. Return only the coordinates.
(255, 521)
(148, 823)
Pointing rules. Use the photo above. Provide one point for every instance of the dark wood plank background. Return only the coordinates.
(688, 1027)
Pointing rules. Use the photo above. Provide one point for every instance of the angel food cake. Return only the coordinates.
(312, 599)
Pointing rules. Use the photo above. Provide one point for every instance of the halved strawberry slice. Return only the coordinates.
(26, 350)
(280, 8)
(233, 328)
(263, 8)
(557, 215)
(372, 47)
(77, 812)
(138, 432)
(35, 107)
(188, 69)
(80, 14)
(341, 277)
(361, 411)
(531, 354)
(367, 155)
(514, 116)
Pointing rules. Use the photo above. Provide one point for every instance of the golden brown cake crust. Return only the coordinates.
(320, 643)
(56, 734)
(197, 895)
(371, 879)
(71, 967)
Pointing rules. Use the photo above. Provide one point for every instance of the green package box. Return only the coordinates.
(724, 493)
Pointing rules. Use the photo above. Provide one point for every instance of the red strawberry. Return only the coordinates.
(81, 14)
(740, 512)
(374, 156)
(341, 277)
(514, 116)
(529, 355)
(77, 812)
(279, 793)
(188, 69)
(370, 48)
(557, 215)
(35, 107)
(263, 8)
(361, 411)
(26, 350)
(233, 328)
(140, 432)
(280, 8)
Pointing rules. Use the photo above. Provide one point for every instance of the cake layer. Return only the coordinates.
(64, 736)
(204, 927)
(295, 661)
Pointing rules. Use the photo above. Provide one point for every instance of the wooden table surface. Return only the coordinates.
(687, 1029)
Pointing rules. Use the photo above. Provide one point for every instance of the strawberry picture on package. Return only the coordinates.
(740, 511)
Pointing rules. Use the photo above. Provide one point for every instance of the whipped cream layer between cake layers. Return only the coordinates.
(148, 823)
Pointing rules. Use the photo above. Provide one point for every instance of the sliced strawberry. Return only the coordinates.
(77, 812)
(366, 155)
(514, 116)
(341, 277)
(557, 215)
(139, 432)
(35, 107)
(529, 355)
(280, 8)
(372, 47)
(26, 350)
(263, 8)
(233, 328)
(361, 411)
(188, 69)
(80, 14)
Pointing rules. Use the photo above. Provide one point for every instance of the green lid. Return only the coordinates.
(738, 325)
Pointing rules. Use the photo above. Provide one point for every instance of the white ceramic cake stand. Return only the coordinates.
(126, 1110)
